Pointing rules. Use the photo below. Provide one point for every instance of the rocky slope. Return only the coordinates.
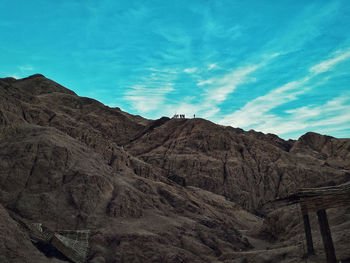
(245, 167)
(169, 190)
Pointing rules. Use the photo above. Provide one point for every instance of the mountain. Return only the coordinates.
(166, 190)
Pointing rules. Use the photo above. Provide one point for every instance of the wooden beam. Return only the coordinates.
(326, 236)
(308, 235)
(325, 201)
(315, 199)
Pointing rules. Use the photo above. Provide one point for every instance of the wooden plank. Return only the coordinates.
(326, 236)
(314, 199)
(67, 248)
(308, 235)
(345, 186)
(325, 201)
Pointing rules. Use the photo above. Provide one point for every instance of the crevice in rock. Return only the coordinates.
(52, 117)
(154, 125)
(225, 172)
(33, 166)
(280, 177)
(112, 159)
(24, 115)
(177, 179)
(50, 251)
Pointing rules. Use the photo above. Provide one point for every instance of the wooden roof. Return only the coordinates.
(73, 244)
(315, 199)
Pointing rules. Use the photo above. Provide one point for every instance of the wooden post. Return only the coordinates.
(308, 235)
(326, 236)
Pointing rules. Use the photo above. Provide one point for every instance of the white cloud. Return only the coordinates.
(333, 115)
(326, 65)
(145, 99)
(14, 76)
(257, 114)
(218, 88)
(164, 70)
(276, 54)
(151, 94)
(26, 68)
(190, 70)
(254, 112)
(210, 112)
(204, 82)
(212, 66)
(225, 85)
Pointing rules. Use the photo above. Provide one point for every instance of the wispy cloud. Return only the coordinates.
(257, 113)
(218, 88)
(14, 76)
(144, 98)
(216, 91)
(333, 115)
(221, 87)
(328, 64)
(152, 94)
(164, 70)
(26, 68)
(151, 91)
(190, 70)
(212, 66)
(204, 82)
(19, 72)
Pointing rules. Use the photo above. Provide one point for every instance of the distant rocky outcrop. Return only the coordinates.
(248, 168)
(167, 190)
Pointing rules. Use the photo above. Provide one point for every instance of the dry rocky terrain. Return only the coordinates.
(167, 190)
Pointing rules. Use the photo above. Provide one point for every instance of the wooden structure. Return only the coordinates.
(73, 244)
(318, 200)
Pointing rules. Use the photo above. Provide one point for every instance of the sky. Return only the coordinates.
(275, 66)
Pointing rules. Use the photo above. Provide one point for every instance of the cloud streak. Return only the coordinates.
(215, 92)
(190, 70)
(26, 68)
(217, 89)
(145, 99)
(330, 63)
(151, 91)
(257, 113)
(221, 87)
(331, 116)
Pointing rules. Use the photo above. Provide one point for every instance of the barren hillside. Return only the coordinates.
(167, 190)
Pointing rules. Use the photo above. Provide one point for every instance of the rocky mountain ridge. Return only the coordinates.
(167, 190)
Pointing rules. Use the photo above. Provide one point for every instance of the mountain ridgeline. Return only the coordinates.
(166, 190)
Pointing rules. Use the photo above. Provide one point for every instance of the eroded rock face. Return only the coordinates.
(246, 167)
(49, 177)
(174, 190)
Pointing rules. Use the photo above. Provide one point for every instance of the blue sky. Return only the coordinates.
(275, 66)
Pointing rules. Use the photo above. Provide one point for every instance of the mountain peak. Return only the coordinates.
(37, 75)
(38, 84)
(152, 190)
